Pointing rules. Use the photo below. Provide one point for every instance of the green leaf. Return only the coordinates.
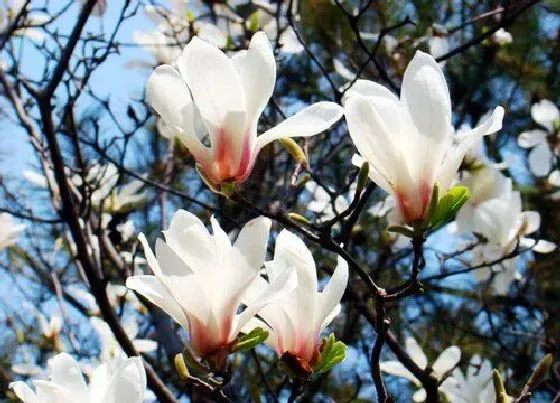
(448, 205)
(249, 340)
(539, 375)
(332, 352)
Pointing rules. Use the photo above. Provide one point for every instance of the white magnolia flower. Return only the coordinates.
(211, 95)
(446, 362)
(502, 37)
(494, 211)
(476, 387)
(408, 141)
(110, 347)
(201, 279)
(114, 382)
(295, 320)
(9, 231)
(541, 158)
(50, 328)
(125, 197)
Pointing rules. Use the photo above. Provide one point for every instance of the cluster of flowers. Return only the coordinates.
(215, 288)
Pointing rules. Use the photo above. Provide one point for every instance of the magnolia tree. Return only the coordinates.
(279, 201)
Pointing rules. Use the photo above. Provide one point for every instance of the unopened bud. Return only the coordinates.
(294, 149)
(362, 177)
(181, 367)
(299, 218)
(540, 372)
(501, 394)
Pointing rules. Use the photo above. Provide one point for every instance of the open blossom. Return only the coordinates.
(494, 211)
(408, 141)
(118, 381)
(220, 98)
(541, 157)
(201, 279)
(295, 320)
(475, 387)
(9, 231)
(445, 363)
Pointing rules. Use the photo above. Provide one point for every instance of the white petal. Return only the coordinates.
(446, 361)
(455, 156)
(24, 392)
(368, 88)
(252, 241)
(415, 352)
(257, 69)
(66, 372)
(540, 159)
(280, 286)
(215, 86)
(126, 382)
(309, 121)
(425, 94)
(211, 34)
(144, 345)
(330, 298)
(531, 138)
(531, 221)
(544, 246)
(375, 127)
(545, 113)
(153, 290)
(397, 369)
(168, 94)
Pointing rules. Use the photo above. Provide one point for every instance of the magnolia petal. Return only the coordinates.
(446, 361)
(540, 159)
(24, 392)
(545, 113)
(426, 96)
(373, 127)
(415, 352)
(168, 94)
(543, 246)
(368, 88)
(397, 369)
(145, 345)
(253, 240)
(215, 86)
(66, 372)
(126, 383)
(151, 288)
(281, 285)
(453, 159)
(531, 138)
(309, 121)
(257, 70)
(531, 221)
(330, 298)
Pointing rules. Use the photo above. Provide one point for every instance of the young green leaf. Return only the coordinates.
(332, 352)
(448, 205)
(249, 340)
